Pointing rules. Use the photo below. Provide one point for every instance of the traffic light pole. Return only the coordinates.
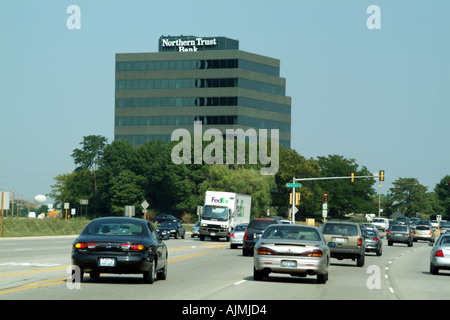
(379, 176)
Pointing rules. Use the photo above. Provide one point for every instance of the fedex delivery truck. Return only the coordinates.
(222, 212)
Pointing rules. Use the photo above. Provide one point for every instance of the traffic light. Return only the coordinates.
(381, 176)
(297, 198)
(325, 198)
(353, 177)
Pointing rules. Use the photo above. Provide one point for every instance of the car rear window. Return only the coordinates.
(422, 228)
(399, 228)
(260, 224)
(113, 228)
(342, 229)
(292, 233)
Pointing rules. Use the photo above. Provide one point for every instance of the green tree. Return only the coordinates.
(293, 165)
(345, 196)
(127, 190)
(442, 192)
(409, 197)
(87, 158)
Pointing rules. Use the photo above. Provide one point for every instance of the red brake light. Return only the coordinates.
(245, 235)
(439, 253)
(232, 235)
(360, 242)
(134, 246)
(376, 239)
(266, 251)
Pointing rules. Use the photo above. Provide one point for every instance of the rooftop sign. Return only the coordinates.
(188, 45)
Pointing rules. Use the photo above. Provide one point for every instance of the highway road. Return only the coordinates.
(37, 269)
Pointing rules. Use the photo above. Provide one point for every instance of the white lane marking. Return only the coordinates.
(239, 282)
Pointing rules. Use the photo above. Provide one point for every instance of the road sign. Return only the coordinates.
(293, 185)
(145, 204)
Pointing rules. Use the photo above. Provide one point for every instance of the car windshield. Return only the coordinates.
(399, 228)
(114, 227)
(342, 229)
(291, 232)
(215, 213)
(168, 224)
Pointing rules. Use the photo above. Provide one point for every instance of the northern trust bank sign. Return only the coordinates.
(194, 44)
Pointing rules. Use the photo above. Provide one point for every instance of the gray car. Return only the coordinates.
(237, 235)
(440, 255)
(291, 249)
(400, 233)
(194, 230)
(373, 241)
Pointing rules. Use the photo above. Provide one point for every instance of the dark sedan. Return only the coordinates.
(171, 229)
(120, 245)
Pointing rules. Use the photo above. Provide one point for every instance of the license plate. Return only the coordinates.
(339, 240)
(399, 235)
(213, 233)
(288, 264)
(106, 262)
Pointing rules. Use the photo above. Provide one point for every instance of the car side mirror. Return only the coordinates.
(331, 244)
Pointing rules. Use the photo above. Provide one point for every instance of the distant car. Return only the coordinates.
(423, 233)
(381, 223)
(254, 230)
(403, 220)
(348, 239)
(445, 228)
(369, 226)
(120, 245)
(400, 233)
(194, 230)
(291, 249)
(434, 224)
(165, 217)
(237, 235)
(440, 255)
(171, 229)
(374, 242)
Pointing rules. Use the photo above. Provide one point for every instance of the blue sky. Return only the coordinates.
(379, 96)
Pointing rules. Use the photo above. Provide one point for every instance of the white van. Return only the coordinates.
(381, 223)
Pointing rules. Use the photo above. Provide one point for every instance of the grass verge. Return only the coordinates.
(42, 227)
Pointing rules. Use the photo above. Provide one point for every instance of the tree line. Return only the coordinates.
(113, 175)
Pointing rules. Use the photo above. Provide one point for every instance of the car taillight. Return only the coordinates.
(80, 245)
(360, 242)
(134, 246)
(388, 232)
(266, 251)
(414, 231)
(431, 233)
(312, 253)
(439, 253)
(245, 235)
(232, 235)
(375, 239)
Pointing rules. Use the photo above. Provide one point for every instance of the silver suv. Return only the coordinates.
(348, 240)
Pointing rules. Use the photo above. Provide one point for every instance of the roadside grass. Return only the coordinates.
(42, 227)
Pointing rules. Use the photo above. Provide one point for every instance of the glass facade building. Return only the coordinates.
(198, 79)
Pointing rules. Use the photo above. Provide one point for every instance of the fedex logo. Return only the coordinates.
(219, 200)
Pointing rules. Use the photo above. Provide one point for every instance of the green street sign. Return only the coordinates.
(293, 185)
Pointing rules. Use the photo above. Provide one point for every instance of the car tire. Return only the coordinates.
(410, 244)
(163, 274)
(149, 276)
(259, 275)
(322, 278)
(379, 253)
(433, 269)
(360, 260)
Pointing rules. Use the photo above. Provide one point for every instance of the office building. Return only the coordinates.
(204, 79)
